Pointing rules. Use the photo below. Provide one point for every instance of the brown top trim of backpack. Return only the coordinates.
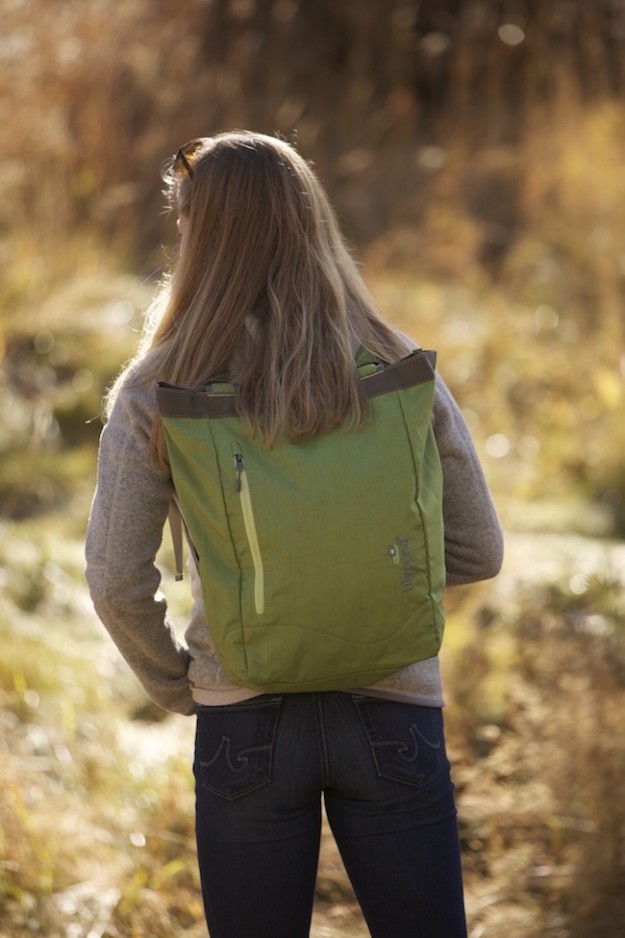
(416, 368)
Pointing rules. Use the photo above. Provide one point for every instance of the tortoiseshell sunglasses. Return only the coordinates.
(187, 156)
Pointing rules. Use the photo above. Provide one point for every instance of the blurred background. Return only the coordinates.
(474, 152)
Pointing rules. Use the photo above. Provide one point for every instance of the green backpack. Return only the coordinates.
(321, 562)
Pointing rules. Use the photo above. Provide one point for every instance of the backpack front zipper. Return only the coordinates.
(250, 530)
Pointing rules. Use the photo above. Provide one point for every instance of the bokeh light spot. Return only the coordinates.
(511, 34)
(498, 445)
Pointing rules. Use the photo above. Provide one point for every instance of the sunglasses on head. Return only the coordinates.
(187, 156)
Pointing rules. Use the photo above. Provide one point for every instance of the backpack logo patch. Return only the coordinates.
(399, 552)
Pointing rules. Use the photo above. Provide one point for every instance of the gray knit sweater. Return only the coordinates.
(128, 514)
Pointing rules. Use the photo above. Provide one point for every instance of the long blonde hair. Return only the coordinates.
(265, 293)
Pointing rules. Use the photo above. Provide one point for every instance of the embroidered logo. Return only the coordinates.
(399, 552)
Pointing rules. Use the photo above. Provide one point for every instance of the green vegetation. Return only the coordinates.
(481, 174)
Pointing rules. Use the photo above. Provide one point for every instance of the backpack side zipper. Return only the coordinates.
(250, 531)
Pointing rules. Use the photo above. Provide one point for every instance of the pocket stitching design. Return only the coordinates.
(384, 767)
(261, 773)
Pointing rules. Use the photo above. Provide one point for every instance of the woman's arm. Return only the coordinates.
(125, 530)
(473, 537)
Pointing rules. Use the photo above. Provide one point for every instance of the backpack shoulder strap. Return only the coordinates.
(415, 368)
(175, 527)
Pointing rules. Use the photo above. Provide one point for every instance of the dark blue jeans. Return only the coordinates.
(261, 767)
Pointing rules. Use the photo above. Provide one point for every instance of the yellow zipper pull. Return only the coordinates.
(240, 467)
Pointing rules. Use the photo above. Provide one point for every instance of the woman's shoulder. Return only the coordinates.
(143, 370)
(135, 388)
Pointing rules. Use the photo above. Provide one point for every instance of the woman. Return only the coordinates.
(265, 294)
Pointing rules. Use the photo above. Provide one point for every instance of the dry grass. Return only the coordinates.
(537, 693)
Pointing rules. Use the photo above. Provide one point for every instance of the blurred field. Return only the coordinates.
(488, 212)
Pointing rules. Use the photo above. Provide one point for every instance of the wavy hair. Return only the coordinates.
(265, 293)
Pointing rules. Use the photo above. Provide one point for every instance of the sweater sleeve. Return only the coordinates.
(473, 537)
(125, 530)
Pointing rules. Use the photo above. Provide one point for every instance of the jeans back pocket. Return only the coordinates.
(234, 746)
(407, 741)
